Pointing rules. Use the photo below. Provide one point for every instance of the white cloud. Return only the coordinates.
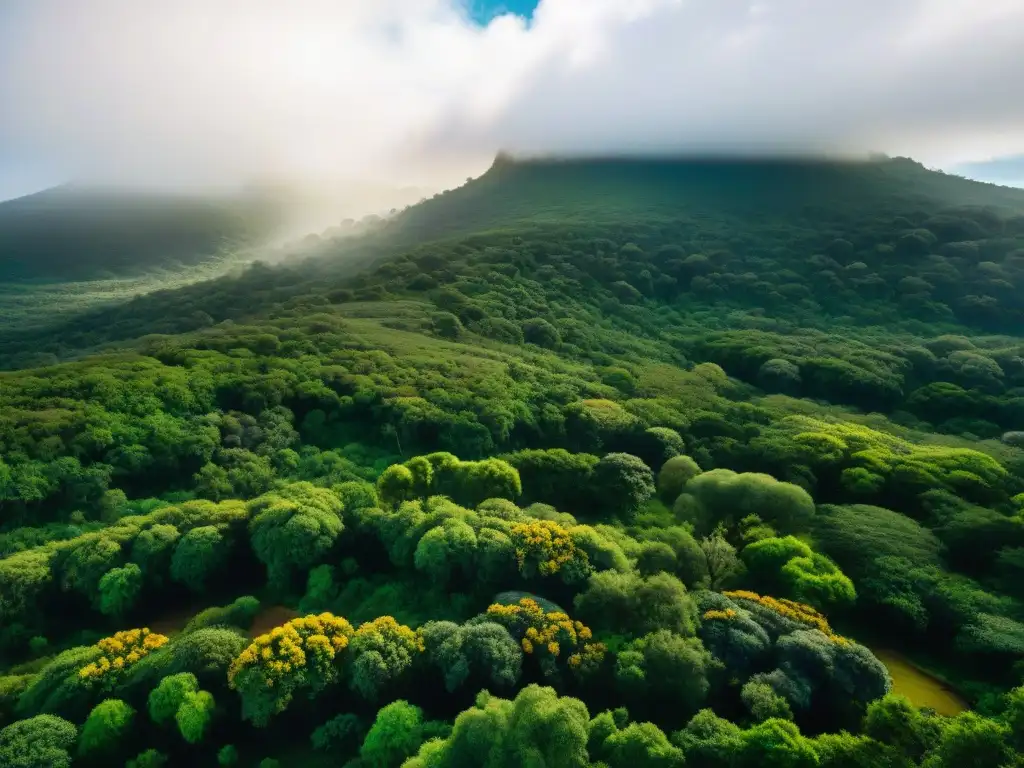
(219, 90)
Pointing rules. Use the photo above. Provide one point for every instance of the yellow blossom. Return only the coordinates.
(789, 609)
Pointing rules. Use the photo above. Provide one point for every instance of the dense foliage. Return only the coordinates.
(582, 464)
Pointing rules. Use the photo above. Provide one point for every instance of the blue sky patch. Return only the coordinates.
(1008, 171)
(482, 11)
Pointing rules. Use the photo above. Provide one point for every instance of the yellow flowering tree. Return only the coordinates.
(382, 650)
(789, 610)
(301, 654)
(549, 636)
(118, 653)
(544, 547)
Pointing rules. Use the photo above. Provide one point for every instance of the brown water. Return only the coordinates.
(172, 622)
(923, 689)
(270, 617)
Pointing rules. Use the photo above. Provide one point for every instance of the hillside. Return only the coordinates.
(72, 232)
(627, 189)
(811, 243)
(655, 452)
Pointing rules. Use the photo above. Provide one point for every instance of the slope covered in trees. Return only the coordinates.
(584, 463)
(628, 189)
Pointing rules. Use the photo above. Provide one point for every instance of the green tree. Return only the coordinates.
(199, 554)
(396, 734)
(396, 484)
(787, 567)
(446, 324)
(152, 551)
(1013, 716)
(722, 564)
(167, 697)
(655, 556)
(381, 651)
(119, 589)
(151, 758)
(555, 476)
(422, 473)
(776, 744)
(621, 483)
(765, 559)
(207, 653)
(294, 527)
(342, 733)
(478, 651)
(674, 475)
(778, 375)
(844, 676)
(628, 603)
(893, 720)
(542, 333)
(447, 549)
(475, 481)
(86, 563)
(195, 715)
(665, 670)
(641, 745)
(723, 497)
(212, 482)
(971, 741)
(764, 703)
(817, 580)
(106, 729)
(844, 750)
(691, 562)
(658, 445)
(113, 504)
(43, 741)
(58, 688)
(537, 728)
(357, 494)
(709, 740)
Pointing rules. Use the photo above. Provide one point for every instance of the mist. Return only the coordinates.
(336, 94)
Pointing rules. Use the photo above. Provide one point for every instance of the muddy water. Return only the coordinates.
(270, 617)
(922, 689)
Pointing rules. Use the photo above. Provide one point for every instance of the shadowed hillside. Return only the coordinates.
(70, 233)
(584, 189)
(809, 242)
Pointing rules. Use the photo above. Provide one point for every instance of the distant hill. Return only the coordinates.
(73, 232)
(79, 232)
(631, 189)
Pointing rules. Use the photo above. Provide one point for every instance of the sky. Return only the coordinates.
(213, 93)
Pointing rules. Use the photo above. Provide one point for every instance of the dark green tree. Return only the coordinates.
(621, 483)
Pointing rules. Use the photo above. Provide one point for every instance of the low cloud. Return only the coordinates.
(412, 91)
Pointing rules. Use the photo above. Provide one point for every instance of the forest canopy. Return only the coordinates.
(619, 464)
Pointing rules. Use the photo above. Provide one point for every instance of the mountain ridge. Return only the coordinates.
(741, 216)
(513, 191)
